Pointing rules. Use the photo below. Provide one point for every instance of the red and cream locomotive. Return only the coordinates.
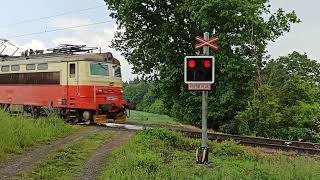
(82, 86)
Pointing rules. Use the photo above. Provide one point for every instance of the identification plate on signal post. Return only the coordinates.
(199, 87)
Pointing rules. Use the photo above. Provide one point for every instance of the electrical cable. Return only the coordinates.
(52, 16)
(59, 29)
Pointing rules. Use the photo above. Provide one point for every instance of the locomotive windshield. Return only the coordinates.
(99, 69)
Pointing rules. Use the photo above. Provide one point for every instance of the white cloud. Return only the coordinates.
(34, 44)
(68, 22)
(101, 38)
(110, 30)
(68, 40)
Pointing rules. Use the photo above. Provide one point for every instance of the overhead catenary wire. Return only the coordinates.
(60, 29)
(52, 16)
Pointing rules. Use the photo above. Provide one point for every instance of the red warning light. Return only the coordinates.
(192, 64)
(207, 64)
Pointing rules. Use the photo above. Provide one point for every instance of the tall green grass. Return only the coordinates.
(162, 154)
(19, 133)
(67, 162)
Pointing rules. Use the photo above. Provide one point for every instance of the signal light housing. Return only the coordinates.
(199, 69)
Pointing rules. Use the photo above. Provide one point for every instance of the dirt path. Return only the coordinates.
(98, 161)
(25, 162)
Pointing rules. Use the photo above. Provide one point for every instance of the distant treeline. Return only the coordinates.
(143, 96)
(285, 102)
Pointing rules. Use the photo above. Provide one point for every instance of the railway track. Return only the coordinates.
(275, 144)
(294, 146)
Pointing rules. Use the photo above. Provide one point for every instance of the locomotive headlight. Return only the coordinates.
(102, 91)
(121, 91)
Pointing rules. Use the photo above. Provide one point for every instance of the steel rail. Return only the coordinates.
(305, 148)
(296, 146)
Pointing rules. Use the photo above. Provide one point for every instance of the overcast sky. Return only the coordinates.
(304, 37)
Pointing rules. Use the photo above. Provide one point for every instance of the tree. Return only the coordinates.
(135, 91)
(287, 104)
(291, 65)
(144, 96)
(154, 36)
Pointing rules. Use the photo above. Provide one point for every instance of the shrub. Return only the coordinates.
(151, 137)
(229, 148)
(157, 107)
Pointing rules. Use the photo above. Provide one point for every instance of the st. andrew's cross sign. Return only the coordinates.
(209, 43)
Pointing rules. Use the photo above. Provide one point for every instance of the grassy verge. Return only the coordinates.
(138, 117)
(18, 133)
(162, 154)
(66, 163)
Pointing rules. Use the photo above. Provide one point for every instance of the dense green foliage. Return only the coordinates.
(154, 36)
(145, 96)
(287, 105)
(19, 133)
(135, 91)
(162, 154)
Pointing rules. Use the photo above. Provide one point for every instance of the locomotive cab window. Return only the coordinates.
(15, 68)
(72, 70)
(31, 67)
(117, 72)
(99, 69)
(5, 68)
(43, 66)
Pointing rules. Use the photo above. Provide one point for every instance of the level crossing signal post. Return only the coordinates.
(199, 74)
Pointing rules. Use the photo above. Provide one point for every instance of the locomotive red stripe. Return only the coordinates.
(76, 97)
